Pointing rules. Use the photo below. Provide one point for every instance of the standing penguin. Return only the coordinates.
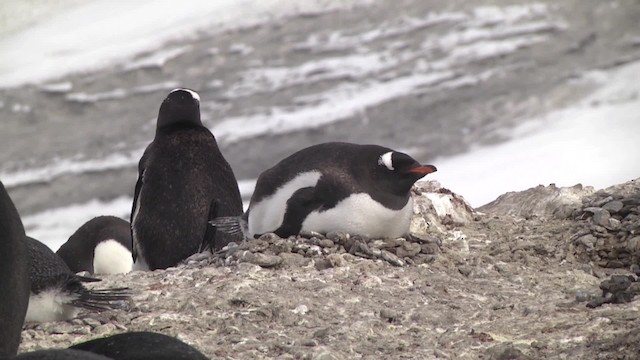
(14, 275)
(102, 245)
(358, 189)
(183, 182)
(57, 293)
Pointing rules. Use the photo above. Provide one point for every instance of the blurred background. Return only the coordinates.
(499, 95)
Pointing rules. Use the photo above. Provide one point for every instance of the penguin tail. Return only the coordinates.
(231, 225)
(96, 299)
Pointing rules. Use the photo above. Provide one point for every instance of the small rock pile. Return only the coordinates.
(609, 223)
(618, 289)
(328, 251)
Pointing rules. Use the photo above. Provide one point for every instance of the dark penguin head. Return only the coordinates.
(180, 108)
(14, 276)
(141, 345)
(396, 171)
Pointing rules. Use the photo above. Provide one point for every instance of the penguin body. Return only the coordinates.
(183, 182)
(141, 346)
(14, 275)
(59, 294)
(102, 245)
(359, 189)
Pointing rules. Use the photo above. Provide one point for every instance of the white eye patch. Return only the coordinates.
(385, 159)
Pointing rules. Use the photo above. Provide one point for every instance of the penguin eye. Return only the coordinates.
(385, 159)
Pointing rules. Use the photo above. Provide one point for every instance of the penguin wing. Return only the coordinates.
(301, 203)
(134, 209)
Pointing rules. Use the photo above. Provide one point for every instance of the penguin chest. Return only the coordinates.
(267, 214)
(52, 304)
(360, 214)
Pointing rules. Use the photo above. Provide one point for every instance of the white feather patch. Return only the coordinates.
(193, 93)
(51, 305)
(385, 159)
(111, 257)
(268, 213)
(360, 214)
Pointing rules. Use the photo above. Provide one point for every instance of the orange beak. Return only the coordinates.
(423, 169)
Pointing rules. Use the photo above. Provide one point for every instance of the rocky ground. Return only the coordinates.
(511, 280)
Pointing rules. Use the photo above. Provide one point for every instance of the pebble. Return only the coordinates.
(391, 316)
(613, 206)
(408, 249)
(391, 258)
(504, 351)
(326, 243)
(260, 259)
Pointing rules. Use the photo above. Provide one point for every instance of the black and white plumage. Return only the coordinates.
(141, 346)
(59, 294)
(14, 275)
(358, 189)
(102, 245)
(183, 182)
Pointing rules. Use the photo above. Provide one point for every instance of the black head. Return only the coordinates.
(398, 171)
(181, 106)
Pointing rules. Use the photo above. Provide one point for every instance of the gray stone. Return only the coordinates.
(311, 234)
(505, 351)
(633, 244)
(269, 237)
(408, 249)
(601, 218)
(338, 237)
(391, 316)
(326, 243)
(613, 206)
(391, 258)
(464, 270)
(588, 241)
(294, 260)
(260, 259)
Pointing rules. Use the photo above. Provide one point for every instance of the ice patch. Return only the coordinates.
(338, 104)
(115, 94)
(593, 142)
(155, 59)
(70, 166)
(53, 227)
(124, 29)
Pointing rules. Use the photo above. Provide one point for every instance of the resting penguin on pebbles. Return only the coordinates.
(15, 283)
(183, 182)
(101, 246)
(57, 293)
(336, 186)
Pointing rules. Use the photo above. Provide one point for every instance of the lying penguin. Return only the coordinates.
(59, 294)
(336, 186)
(102, 245)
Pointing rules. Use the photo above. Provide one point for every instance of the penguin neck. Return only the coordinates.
(176, 126)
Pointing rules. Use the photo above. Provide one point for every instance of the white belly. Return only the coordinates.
(267, 215)
(111, 257)
(360, 214)
(50, 305)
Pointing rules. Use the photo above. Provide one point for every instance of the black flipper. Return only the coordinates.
(209, 240)
(301, 203)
